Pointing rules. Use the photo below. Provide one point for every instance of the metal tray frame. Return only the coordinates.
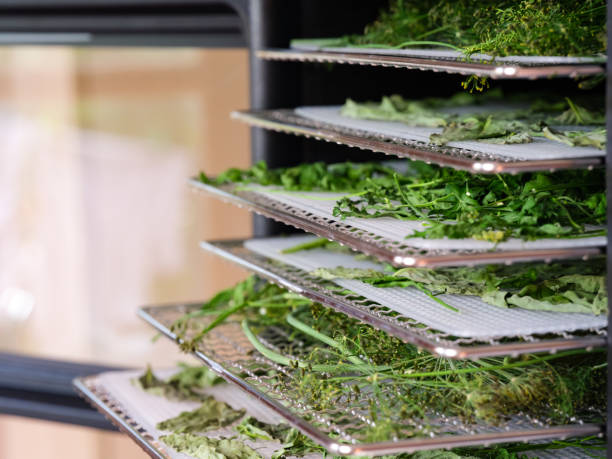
(381, 248)
(228, 352)
(403, 327)
(287, 121)
(116, 415)
(494, 71)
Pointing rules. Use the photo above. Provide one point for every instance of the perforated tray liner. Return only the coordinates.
(540, 149)
(452, 55)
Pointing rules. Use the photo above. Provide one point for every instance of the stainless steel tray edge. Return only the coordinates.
(272, 120)
(441, 347)
(494, 71)
(119, 419)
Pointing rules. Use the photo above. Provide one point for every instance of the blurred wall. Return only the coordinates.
(95, 214)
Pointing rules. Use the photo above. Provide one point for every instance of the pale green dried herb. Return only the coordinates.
(187, 384)
(211, 415)
(561, 287)
(209, 448)
(294, 443)
(490, 126)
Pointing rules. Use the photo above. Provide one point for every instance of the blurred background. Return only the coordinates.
(95, 214)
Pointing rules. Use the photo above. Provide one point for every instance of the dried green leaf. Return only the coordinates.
(187, 384)
(211, 415)
(209, 448)
(561, 287)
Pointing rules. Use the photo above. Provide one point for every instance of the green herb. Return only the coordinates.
(503, 28)
(339, 177)
(211, 415)
(451, 203)
(321, 242)
(455, 204)
(556, 387)
(577, 115)
(257, 430)
(596, 138)
(500, 127)
(187, 384)
(209, 448)
(379, 280)
(294, 443)
(297, 444)
(438, 454)
(233, 301)
(591, 446)
(395, 108)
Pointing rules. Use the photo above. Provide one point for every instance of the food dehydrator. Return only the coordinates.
(281, 79)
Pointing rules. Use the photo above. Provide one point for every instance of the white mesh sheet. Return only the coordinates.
(322, 204)
(148, 410)
(539, 149)
(475, 318)
(453, 55)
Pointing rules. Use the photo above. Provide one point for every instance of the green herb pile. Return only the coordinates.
(451, 203)
(502, 28)
(499, 127)
(347, 363)
(186, 429)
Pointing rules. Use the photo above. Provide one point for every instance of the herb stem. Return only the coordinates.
(317, 243)
(522, 363)
(410, 43)
(217, 321)
(301, 326)
(430, 294)
(285, 361)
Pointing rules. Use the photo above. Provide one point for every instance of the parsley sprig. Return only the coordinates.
(456, 204)
(451, 203)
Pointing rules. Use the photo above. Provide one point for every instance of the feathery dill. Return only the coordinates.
(503, 28)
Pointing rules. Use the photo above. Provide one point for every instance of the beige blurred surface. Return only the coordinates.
(95, 215)
(28, 438)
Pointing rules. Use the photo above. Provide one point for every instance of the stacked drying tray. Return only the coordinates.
(285, 361)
